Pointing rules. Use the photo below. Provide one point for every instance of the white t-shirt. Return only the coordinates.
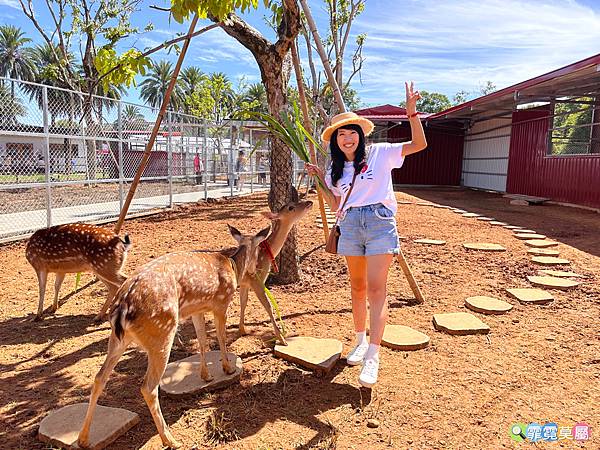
(374, 183)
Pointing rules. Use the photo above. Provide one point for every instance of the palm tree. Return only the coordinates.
(255, 98)
(192, 78)
(155, 85)
(132, 117)
(15, 59)
(10, 108)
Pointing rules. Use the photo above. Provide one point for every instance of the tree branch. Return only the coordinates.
(289, 27)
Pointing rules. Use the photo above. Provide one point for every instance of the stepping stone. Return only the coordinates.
(552, 282)
(485, 219)
(529, 236)
(404, 338)
(183, 376)
(435, 205)
(498, 223)
(424, 204)
(487, 305)
(459, 324)
(540, 243)
(405, 202)
(512, 227)
(471, 215)
(61, 427)
(549, 260)
(484, 246)
(531, 295)
(560, 273)
(519, 202)
(429, 241)
(313, 353)
(543, 252)
(522, 231)
(459, 211)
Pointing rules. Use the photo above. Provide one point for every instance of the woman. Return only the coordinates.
(240, 168)
(368, 234)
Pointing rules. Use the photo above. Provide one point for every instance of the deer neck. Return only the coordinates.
(238, 263)
(278, 236)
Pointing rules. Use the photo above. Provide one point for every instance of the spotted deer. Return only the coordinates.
(283, 221)
(152, 302)
(77, 247)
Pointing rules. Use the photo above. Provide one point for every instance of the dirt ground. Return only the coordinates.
(538, 364)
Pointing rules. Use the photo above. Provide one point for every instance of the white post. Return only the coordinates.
(170, 158)
(205, 156)
(121, 163)
(47, 156)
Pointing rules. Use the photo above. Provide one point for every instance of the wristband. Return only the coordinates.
(410, 116)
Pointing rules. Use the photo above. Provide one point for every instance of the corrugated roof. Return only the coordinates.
(386, 112)
(578, 79)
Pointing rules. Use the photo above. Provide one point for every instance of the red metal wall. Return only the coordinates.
(439, 164)
(571, 179)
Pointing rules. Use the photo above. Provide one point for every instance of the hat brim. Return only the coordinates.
(366, 125)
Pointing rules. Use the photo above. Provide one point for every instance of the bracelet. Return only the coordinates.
(410, 116)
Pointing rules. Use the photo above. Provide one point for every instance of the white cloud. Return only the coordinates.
(447, 46)
(217, 47)
(10, 4)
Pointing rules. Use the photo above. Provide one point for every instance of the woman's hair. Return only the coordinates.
(338, 158)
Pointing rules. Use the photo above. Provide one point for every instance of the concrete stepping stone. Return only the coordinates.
(470, 214)
(183, 376)
(61, 427)
(540, 243)
(459, 211)
(549, 260)
(552, 282)
(529, 236)
(543, 252)
(435, 205)
(430, 241)
(560, 273)
(400, 337)
(512, 227)
(498, 223)
(486, 219)
(522, 231)
(487, 305)
(531, 295)
(484, 246)
(459, 323)
(424, 204)
(313, 353)
(405, 202)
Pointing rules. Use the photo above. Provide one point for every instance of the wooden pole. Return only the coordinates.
(323, 54)
(340, 102)
(306, 119)
(156, 128)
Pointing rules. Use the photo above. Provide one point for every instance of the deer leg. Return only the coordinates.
(42, 279)
(57, 284)
(262, 297)
(243, 303)
(158, 356)
(220, 321)
(112, 283)
(200, 326)
(116, 348)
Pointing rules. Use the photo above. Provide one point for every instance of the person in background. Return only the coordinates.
(198, 168)
(240, 169)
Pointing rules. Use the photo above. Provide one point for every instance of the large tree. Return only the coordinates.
(155, 84)
(16, 60)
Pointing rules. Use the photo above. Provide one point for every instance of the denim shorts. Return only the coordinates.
(368, 230)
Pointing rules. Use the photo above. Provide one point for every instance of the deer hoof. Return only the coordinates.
(172, 444)
(52, 309)
(37, 318)
(228, 369)
(206, 376)
(83, 443)
(243, 331)
(282, 340)
(99, 318)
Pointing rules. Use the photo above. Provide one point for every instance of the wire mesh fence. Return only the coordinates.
(65, 158)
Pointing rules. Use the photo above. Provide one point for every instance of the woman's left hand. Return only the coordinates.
(411, 98)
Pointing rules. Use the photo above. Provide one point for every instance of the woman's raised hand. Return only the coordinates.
(314, 170)
(411, 98)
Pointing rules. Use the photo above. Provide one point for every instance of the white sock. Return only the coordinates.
(372, 352)
(361, 337)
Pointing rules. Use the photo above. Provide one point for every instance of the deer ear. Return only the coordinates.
(270, 215)
(261, 235)
(235, 233)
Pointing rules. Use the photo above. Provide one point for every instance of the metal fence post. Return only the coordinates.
(251, 163)
(47, 156)
(120, 147)
(205, 157)
(170, 158)
(231, 174)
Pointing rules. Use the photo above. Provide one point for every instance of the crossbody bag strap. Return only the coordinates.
(346, 199)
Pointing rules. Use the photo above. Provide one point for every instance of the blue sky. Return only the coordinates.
(444, 46)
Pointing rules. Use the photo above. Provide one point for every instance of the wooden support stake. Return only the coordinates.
(311, 147)
(409, 276)
(156, 128)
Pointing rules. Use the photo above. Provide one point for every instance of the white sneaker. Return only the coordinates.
(357, 354)
(368, 374)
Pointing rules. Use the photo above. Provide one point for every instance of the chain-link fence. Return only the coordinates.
(66, 157)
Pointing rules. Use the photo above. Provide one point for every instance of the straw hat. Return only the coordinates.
(347, 118)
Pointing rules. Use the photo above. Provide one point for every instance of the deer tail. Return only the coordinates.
(118, 319)
(127, 242)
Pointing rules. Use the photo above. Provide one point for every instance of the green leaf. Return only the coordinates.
(77, 280)
(273, 302)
